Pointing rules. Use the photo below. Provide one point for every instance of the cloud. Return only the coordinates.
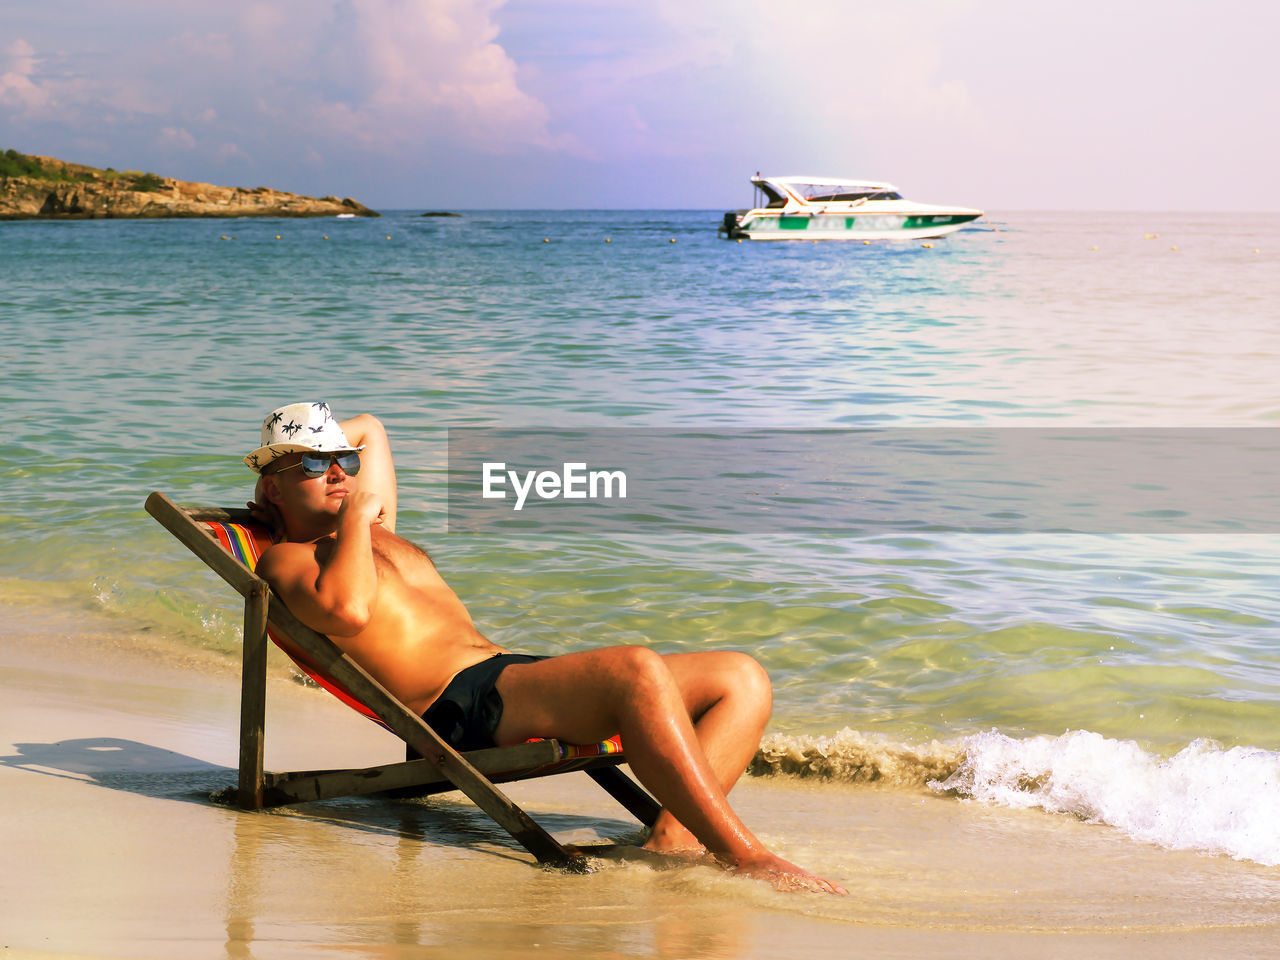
(175, 138)
(740, 83)
(999, 103)
(613, 91)
(17, 66)
(410, 66)
(391, 75)
(632, 79)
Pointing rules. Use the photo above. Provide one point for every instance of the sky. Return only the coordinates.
(455, 104)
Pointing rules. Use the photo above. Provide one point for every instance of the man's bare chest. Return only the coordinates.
(396, 557)
(392, 556)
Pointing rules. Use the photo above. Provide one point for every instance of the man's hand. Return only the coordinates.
(363, 506)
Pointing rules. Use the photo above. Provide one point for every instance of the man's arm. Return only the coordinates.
(377, 471)
(335, 595)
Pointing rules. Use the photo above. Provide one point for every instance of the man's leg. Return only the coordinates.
(585, 697)
(729, 699)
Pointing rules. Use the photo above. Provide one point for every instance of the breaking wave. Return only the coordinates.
(853, 757)
(1205, 798)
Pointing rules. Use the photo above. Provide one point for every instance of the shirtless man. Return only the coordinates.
(690, 722)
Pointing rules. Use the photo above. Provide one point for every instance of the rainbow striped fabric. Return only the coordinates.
(574, 755)
(604, 748)
(244, 541)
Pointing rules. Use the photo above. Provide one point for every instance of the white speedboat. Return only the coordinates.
(825, 208)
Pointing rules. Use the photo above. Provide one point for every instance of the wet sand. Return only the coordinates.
(111, 742)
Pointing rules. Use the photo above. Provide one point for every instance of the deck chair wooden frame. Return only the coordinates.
(443, 768)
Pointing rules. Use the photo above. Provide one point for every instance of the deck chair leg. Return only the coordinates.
(628, 793)
(253, 698)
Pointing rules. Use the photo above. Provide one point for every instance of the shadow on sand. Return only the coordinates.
(148, 771)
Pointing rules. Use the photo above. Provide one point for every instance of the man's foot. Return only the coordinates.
(690, 854)
(674, 840)
(786, 877)
(623, 852)
(782, 875)
(671, 840)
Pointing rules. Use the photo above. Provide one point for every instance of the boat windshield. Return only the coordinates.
(771, 195)
(825, 193)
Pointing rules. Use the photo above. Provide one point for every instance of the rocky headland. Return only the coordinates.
(44, 188)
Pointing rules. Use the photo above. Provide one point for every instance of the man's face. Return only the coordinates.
(297, 495)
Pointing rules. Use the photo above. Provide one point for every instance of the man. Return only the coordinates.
(690, 722)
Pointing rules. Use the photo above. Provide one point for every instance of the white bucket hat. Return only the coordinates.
(298, 428)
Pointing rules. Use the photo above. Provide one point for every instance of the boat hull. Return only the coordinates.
(771, 225)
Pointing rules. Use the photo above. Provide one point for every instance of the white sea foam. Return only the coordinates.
(1205, 798)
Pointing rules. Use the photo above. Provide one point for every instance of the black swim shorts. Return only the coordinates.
(467, 712)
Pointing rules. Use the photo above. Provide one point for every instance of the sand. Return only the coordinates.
(111, 742)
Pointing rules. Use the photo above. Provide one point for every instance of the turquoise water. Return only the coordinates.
(143, 355)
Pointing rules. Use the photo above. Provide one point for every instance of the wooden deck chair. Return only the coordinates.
(229, 541)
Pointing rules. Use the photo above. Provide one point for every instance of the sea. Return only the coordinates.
(1124, 673)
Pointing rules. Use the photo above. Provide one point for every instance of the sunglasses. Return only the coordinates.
(317, 464)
